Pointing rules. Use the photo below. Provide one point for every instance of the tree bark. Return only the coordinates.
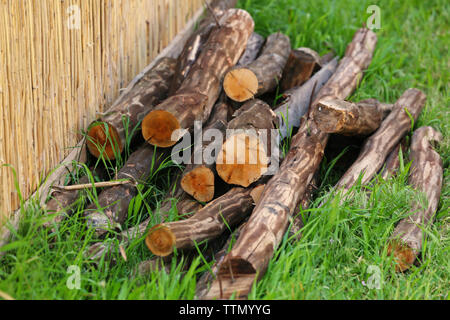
(296, 101)
(200, 90)
(62, 202)
(199, 179)
(262, 75)
(254, 45)
(208, 223)
(112, 209)
(300, 66)
(197, 40)
(378, 146)
(248, 259)
(426, 176)
(392, 163)
(126, 113)
(244, 157)
(347, 118)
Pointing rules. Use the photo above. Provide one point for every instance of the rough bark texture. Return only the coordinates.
(426, 177)
(253, 250)
(200, 90)
(200, 177)
(62, 202)
(254, 45)
(197, 40)
(296, 101)
(131, 109)
(300, 66)
(113, 202)
(347, 118)
(208, 223)
(378, 146)
(263, 74)
(176, 197)
(392, 163)
(245, 155)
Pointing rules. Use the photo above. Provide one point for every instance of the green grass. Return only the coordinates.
(341, 243)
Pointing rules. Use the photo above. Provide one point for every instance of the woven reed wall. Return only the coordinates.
(56, 74)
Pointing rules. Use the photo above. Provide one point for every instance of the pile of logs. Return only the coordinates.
(223, 80)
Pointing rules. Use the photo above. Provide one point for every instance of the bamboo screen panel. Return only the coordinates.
(61, 62)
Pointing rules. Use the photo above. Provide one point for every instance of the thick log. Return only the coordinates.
(200, 90)
(254, 46)
(208, 223)
(245, 156)
(112, 207)
(61, 204)
(262, 75)
(378, 146)
(392, 163)
(264, 231)
(194, 45)
(426, 177)
(347, 118)
(199, 179)
(300, 66)
(296, 101)
(123, 117)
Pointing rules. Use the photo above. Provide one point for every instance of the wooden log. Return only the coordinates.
(200, 177)
(262, 75)
(200, 90)
(426, 176)
(248, 259)
(347, 118)
(112, 207)
(245, 156)
(296, 101)
(194, 45)
(300, 66)
(250, 54)
(378, 146)
(326, 58)
(208, 223)
(126, 113)
(61, 204)
(392, 163)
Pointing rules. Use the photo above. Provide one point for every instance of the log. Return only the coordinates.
(61, 204)
(296, 101)
(208, 223)
(250, 256)
(111, 209)
(392, 163)
(300, 66)
(245, 156)
(195, 43)
(426, 176)
(122, 118)
(349, 119)
(254, 45)
(184, 204)
(378, 146)
(262, 75)
(200, 90)
(199, 179)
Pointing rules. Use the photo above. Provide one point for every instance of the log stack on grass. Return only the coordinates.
(225, 63)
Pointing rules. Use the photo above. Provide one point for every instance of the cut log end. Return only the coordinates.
(242, 160)
(240, 84)
(257, 192)
(98, 140)
(160, 240)
(158, 127)
(329, 116)
(199, 183)
(403, 254)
